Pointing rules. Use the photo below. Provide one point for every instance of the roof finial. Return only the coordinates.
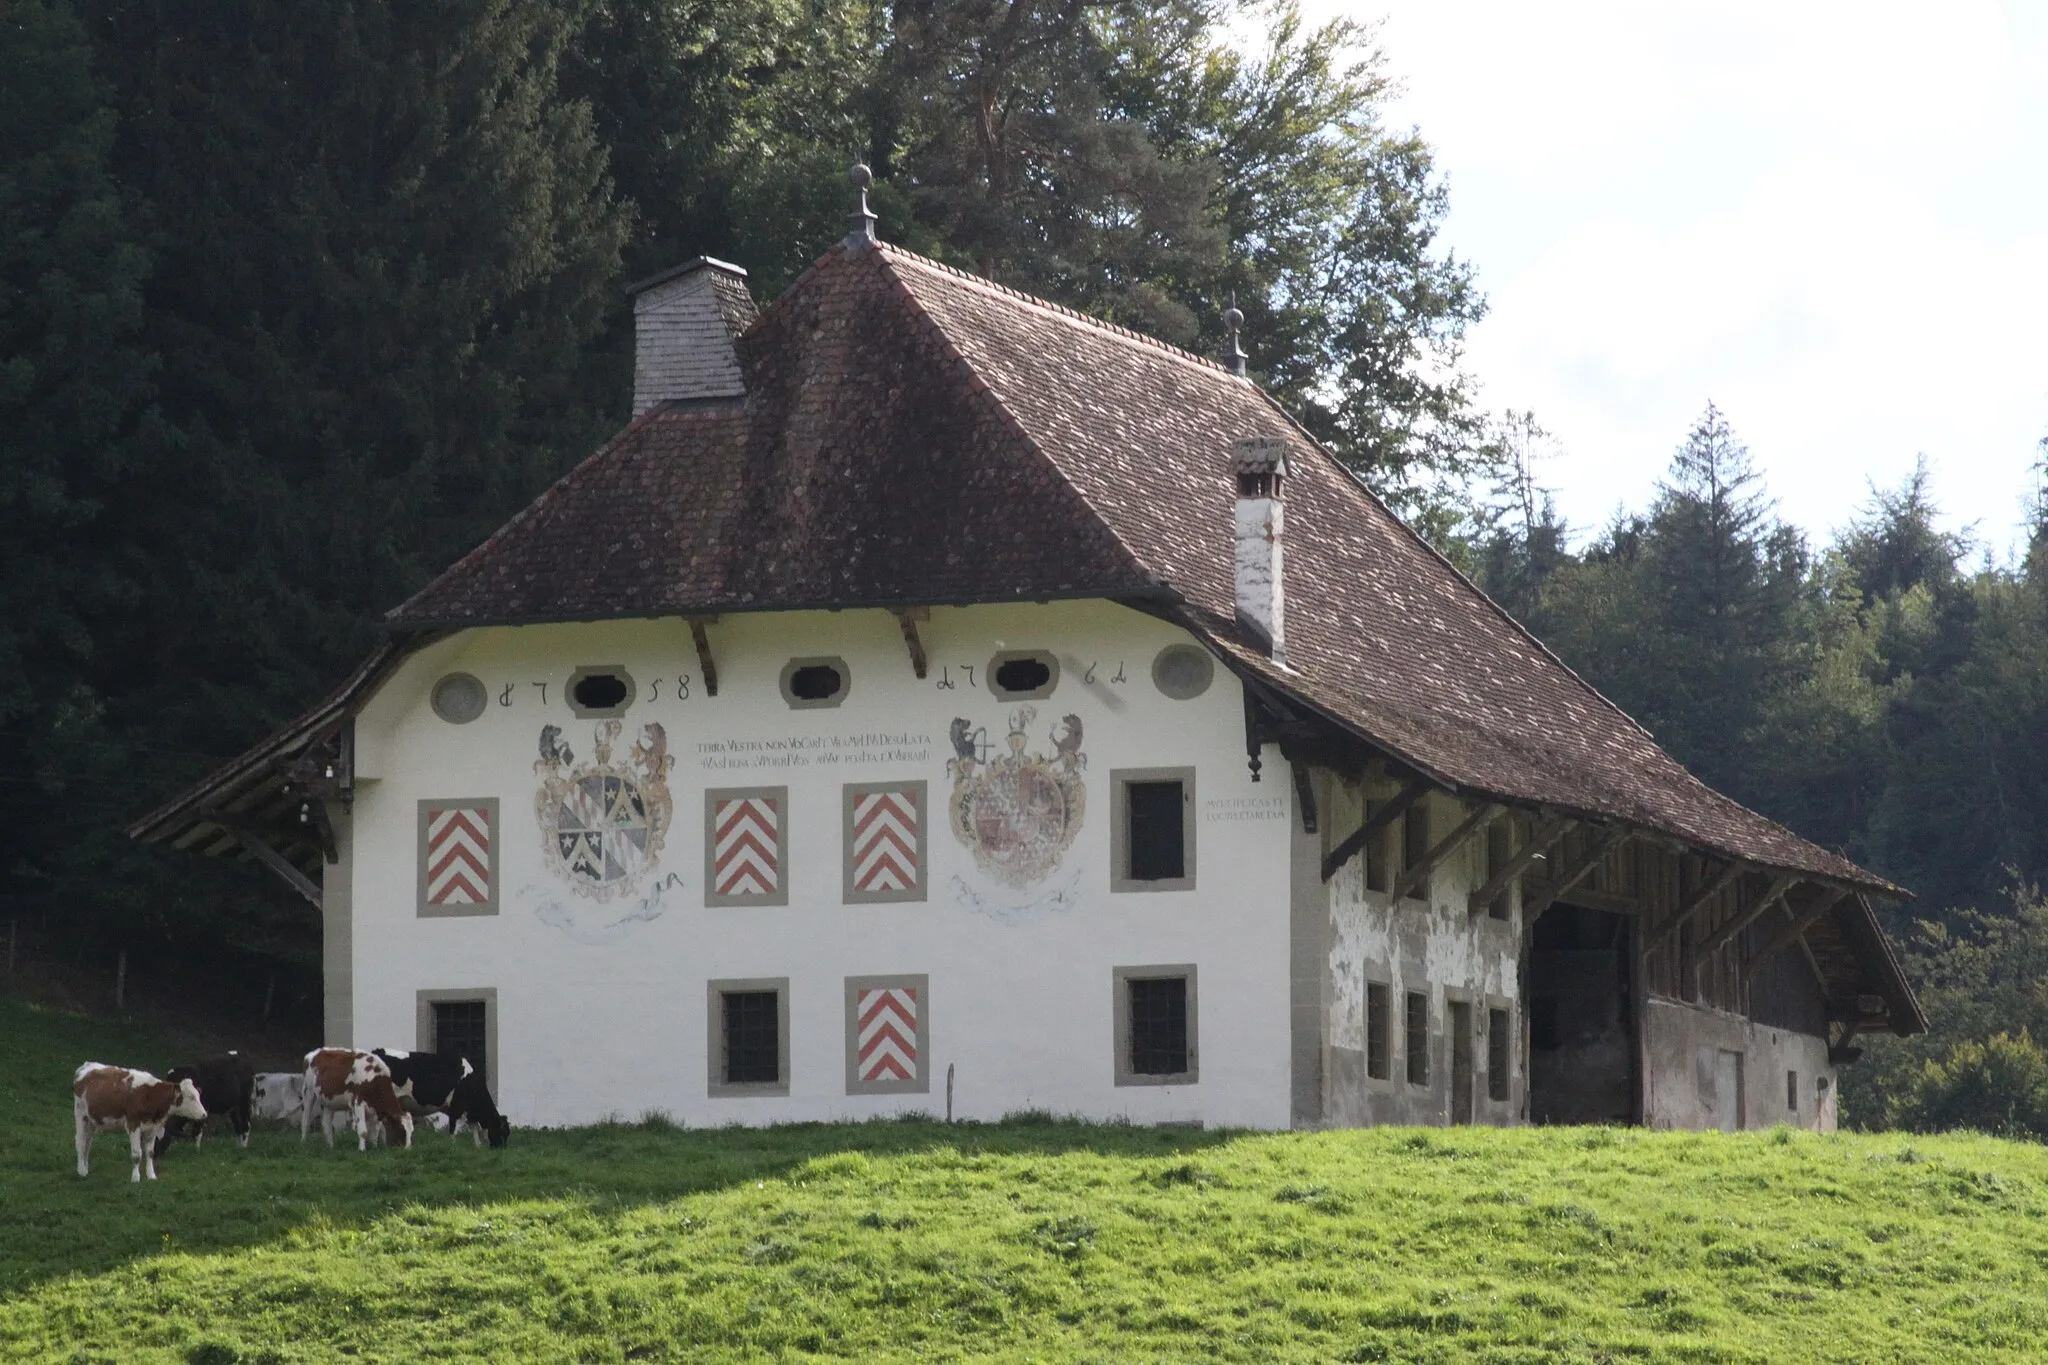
(1233, 354)
(861, 225)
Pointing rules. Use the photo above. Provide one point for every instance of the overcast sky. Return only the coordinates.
(1830, 219)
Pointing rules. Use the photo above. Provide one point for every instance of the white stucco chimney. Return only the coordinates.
(685, 321)
(1260, 464)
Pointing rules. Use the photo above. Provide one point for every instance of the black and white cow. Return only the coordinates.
(434, 1082)
(226, 1086)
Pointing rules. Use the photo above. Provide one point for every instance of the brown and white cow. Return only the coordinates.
(119, 1097)
(341, 1080)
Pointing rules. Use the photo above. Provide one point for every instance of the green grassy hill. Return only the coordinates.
(1020, 1241)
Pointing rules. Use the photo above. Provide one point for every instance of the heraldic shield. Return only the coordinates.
(1017, 812)
(602, 823)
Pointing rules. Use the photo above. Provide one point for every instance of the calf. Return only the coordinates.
(109, 1097)
(342, 1080)
(436, 1082)
(278, 1095)
(226, 1086)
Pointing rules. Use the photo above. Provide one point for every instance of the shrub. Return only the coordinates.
(1996, 1086)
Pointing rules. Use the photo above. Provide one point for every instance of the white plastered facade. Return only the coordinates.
(602, 1005)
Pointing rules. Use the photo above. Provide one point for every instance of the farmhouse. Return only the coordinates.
(938, 700)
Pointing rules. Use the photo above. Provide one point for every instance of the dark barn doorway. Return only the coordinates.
(1582, 1054)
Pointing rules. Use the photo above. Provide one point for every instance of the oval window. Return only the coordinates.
(1023, 674)
(815, 682)
(458, 698)
(600, 690)
(1183, 672)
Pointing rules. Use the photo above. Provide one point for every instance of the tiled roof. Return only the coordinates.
(916, 435)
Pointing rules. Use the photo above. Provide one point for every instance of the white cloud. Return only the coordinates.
(1830, 219)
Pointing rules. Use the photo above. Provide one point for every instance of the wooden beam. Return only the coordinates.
(248, 838)
(906, 621)
(1577, 872)
(1669, 930)
(705, 663)
(1305, 794)
(1412, 877)
(1370, 829)
(1540, 841)
(1722, 936)
(1796, 930)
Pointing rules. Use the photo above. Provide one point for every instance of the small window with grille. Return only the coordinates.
(1417, 1022)
(1155, 1025)
(1152, 829)
(1499, 1063)
(749, 1037)
(461, 1023)
(1379, 1030)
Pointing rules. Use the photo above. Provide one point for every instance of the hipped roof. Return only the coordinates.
(912, 435)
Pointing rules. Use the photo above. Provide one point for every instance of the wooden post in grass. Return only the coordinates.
(121, 981)
(949, 1092)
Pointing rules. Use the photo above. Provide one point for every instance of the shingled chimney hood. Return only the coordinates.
(685, 321)
(1260, 464)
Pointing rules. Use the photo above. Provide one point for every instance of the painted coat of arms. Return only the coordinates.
(602, 822)
(1017, 812)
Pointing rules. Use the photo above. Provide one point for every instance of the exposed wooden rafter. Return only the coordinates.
(1723, 936)
(907, 619)
(1372, 826)
(1796, 930)
(705, 663)
(1412, 877)
(1580, 869)
(1541, 839)
(1726, 878)
(258, 846)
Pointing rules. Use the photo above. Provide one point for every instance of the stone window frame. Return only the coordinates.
(1444, 1067)
(1120, 779)
(921, 1083)
(1429, 1039)
(489, 905)
(850, 793)
(713, 899)
(582, 712)
(1385, 982)
(1506, 1005)
(715, 991)
(796, 703)
(1003, 656)
(1415, 847)
(1120, 1004)
(424, 1025)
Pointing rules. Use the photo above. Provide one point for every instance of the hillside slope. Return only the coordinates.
(1024, 1241)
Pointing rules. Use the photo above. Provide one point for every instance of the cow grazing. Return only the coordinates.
(438, 1083)
(341, 1080)
(226, 1087)
(278, 1095)
(117, 1097)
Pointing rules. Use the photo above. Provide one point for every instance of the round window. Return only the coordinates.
(815, 682)
(1183, 672)
(599, 691)
(459, 698)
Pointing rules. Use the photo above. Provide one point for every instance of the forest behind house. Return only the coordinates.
(298, 301)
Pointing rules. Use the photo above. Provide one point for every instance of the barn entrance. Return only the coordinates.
(1582, 1055)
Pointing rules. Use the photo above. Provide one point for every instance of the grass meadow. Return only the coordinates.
(1021, 1241)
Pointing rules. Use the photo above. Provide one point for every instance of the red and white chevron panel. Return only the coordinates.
(886, 1041)
(458, 856)
(885, 840)
(746, 852)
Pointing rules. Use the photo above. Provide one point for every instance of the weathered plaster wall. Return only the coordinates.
(602, 1005)
(1688, 1082)
(1433, 946)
